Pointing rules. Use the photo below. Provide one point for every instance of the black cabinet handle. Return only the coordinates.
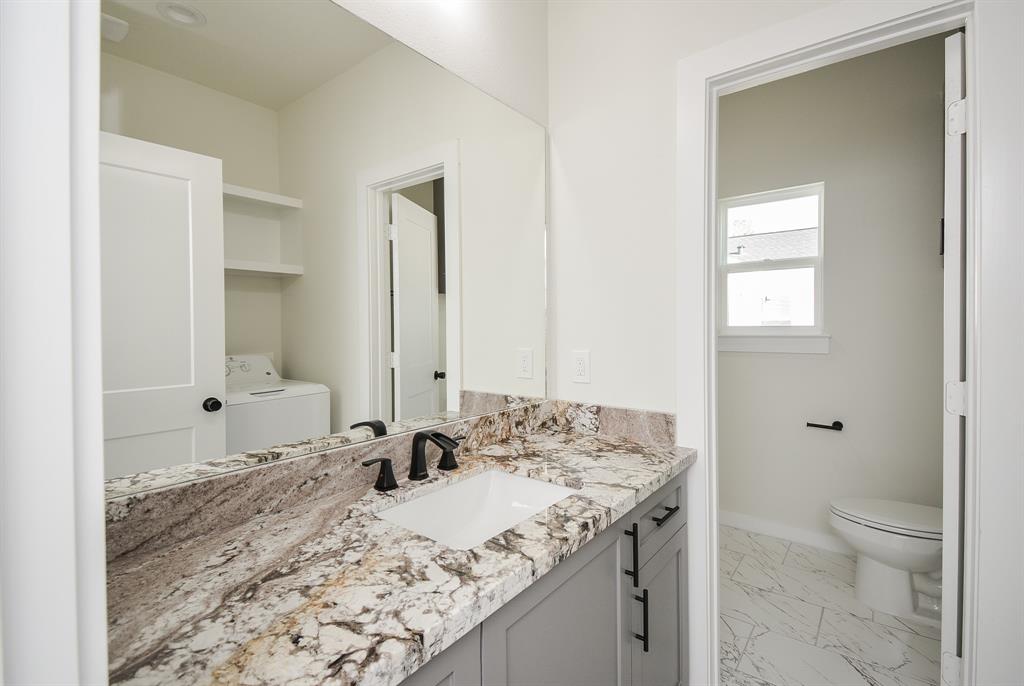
(440, 375)
(671, 511)
(834, 426)
(646, 635)
(211, 404)
(636, 555)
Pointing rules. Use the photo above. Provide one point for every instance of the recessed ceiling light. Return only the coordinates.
(180, 14)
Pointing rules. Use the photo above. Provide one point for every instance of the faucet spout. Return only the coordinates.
(418, 465)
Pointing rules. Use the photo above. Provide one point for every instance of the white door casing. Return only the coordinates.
(161, 218)
(373, 189)
(416, 318)
(953, 355)
(806, 42)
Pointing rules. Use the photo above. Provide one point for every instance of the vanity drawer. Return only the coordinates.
(659, 517)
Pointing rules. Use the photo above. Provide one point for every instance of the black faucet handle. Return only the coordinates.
(378, 427)
(386, 477)
(448, 447)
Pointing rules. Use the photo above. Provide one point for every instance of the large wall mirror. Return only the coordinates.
(306, 227)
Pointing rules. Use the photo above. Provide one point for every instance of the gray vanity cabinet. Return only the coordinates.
(577, 624)
(566, 629)
(664, 578)
(457, 665)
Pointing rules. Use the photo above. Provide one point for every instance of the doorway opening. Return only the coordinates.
(412, 236)
(415, 267)
(839, 295)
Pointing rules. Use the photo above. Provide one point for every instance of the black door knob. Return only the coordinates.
(211, 404)
(439, 375)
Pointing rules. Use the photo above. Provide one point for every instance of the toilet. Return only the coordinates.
(893, 541)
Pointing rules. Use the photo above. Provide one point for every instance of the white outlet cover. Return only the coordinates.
(524, 363)
(581, 366)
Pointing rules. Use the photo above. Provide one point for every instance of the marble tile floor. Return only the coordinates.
(788, 617)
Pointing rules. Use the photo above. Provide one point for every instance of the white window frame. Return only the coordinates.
(772, 339)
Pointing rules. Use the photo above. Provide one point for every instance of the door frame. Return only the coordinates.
(53, 595)
(801, 45)
(372, 189)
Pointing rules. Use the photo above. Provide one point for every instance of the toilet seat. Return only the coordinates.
(906, 519)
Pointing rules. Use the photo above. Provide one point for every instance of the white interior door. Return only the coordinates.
(415, 313)
(953, 358)
(162, 234)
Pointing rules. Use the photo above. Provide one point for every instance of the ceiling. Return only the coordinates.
(269, 52)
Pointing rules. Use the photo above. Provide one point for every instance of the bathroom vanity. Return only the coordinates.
(585, 621)
(328, 591)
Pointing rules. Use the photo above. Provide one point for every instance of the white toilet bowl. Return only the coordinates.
(893, 540)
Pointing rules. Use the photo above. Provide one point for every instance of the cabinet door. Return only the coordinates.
(457, 665)
(664, 577)
(567, 628)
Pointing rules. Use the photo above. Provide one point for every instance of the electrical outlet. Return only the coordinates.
(581, 366)
(524, 363)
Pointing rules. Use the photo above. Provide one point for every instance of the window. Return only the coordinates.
(770, 271)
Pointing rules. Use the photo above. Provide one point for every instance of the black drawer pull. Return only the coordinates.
(671, 511)
(636, 555)
(645, 636)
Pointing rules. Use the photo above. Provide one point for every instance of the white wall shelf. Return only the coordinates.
(263, 197)
(262, 233)
(250, 268)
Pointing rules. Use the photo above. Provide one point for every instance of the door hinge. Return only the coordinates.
(956, 398)
(951, 669)
(392, 232)
(394, 360)
(956, 117)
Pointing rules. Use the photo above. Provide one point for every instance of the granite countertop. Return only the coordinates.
(330, 593)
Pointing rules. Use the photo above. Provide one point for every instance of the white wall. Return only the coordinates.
(500, 46)
(252, 317)
(146, 103)
(392, 104)
(612, 125)
(872, 130)
(152, 105)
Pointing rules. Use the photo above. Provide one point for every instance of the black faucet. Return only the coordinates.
(418, 466)
(378, 427)
(386, 477)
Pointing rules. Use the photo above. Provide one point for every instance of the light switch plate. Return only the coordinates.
(524, 363)
(581, 366)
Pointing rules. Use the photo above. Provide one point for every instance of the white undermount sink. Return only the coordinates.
(469, 512)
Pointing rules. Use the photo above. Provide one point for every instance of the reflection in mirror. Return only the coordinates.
(307, 241)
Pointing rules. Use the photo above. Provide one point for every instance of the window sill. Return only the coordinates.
(817, 344)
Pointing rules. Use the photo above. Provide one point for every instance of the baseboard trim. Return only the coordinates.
(790, 533)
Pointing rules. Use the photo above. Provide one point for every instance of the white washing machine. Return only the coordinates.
(264, 410)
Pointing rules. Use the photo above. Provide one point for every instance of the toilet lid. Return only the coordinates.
(891, 515)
